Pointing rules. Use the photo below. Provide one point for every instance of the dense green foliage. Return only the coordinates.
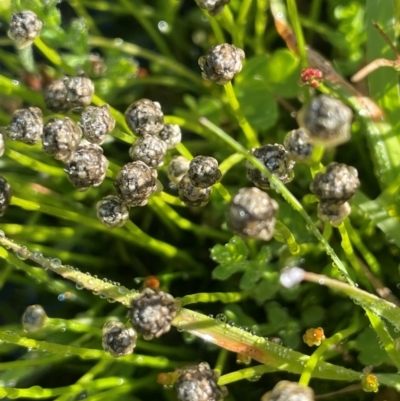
(134, 49)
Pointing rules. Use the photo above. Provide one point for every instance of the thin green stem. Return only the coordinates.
(241, 21)
(253, 373)
(279, 187)
(326, 344)
(221, 361)
(248, 131)
(27, 60)
(316, 157)
(224, 297)
(260, 26)
(283, 234)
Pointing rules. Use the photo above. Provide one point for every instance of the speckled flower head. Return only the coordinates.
(26, 126)
(276, 159)
(135, 183)
(34, 318)
(61, 137)
(332, 212)
(112, 212)
(80, 91)
(152, 312)
(150, 150)
(5, 195)
(214, 7)
(251, 213)
(199, 383)
(87, 167)
(192, 196)
(171, 134)
(96, 123)
(298, 145)
(144, 117)
(289, 391)
(327, 120)
(337, 185)
(25, 27)
(118, 340)
(177, 168)
(55, 96)
(203, 171)
(221, 63)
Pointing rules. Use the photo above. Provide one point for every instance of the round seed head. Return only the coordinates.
(55, 96)
(327, 120)
(337, 185)
(332, 212)
(213, 7)
(96, 123)
(34, 318)
(251, 213)
(150, 150)
(199, 383)
(80, 91)
(26, 126)
(192, 196)
(2, 145)
(135, 183)
(87, 167)
(221, 63)
(5, 195)
(289, 391)
(177, 168)
(171, 134)
(61, 137)
(118, 340)
(298, 145)
(276, 159)
(24, 28)
(145, 117)
(112, 212)
(152, 312)
(203, 171)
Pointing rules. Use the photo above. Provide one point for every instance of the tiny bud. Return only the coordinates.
(112, 212)
(192, 196)
(314, 336)
(144, 117)
(118, 340)
(177, 168)
(25, 27)
(26, 126)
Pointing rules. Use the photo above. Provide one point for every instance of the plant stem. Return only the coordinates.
(248, 131)
(224, 297)
(283, 234)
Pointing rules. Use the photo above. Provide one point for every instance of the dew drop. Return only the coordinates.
(55, 263)
(221, 317)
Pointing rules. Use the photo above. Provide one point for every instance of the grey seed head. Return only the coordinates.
(152, 312)
(192, 196)
(2, 145)
(135, 183)
(199, 383)
(118, 340)
(25, 27)
(55, 96)
(214, 7)
(251, 213)
(327, 120)
(333, 213)
(34, 318)
(150, 150)
(298, 145)
(87, 167)
(80, 91)
(112, 212)
(221, 63)
(5, 195)
(145, 117)
(276, 159)
(171, 134)
(61, 137)
(26, 126)
(337, 185)
(96, 123)
(289, 391)
(203, 171)
(177, 168)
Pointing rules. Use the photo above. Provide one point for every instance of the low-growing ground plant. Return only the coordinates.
(199, 200)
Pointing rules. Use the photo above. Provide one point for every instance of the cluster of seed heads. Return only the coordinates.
(34, 318)
(199, 383)
(118, 340)
(213, 7)
(221, 63)
(152, 312)
(289, 391)
(334, 188)
(251, 213)
(24, 28)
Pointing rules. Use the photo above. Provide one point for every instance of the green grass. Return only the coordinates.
(229, 289)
